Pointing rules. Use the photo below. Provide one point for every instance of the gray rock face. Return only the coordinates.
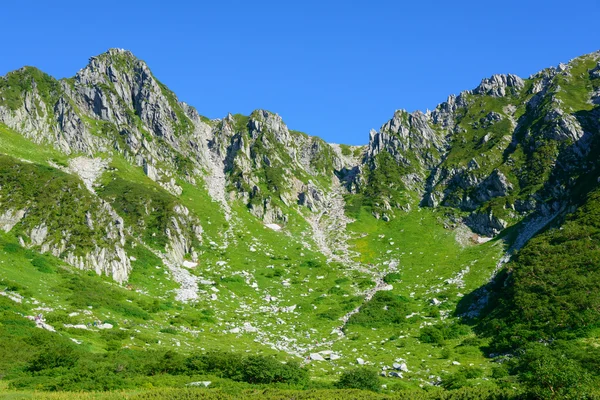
(495, 185)
(485, 223)
(311, 197)
(115, 105)
(562, 126)
(444, 113)
(497, 85)
(410, 139)
(10, 218)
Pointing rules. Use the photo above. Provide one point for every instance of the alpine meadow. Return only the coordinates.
(147, 251)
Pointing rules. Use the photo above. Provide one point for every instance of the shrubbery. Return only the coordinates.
(438, 334)
(359, 378)
(384, 308)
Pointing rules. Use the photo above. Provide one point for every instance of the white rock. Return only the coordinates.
(275, 227)
(189, 264)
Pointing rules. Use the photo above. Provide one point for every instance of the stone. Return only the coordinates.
(497, 85)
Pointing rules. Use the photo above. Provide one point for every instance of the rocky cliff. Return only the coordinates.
(510, 149)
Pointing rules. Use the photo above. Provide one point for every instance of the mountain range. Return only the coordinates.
(454, 240)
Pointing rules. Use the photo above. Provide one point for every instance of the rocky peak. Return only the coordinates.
(496, 85)
(408, 131)
(444, 113)
(262, 121)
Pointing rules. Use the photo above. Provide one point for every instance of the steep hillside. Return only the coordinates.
(135, 228)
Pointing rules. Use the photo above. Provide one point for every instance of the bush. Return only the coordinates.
(384, 308)
(359, 378)
(446, 353)
(432, 334)
(461, 377)
(266, 370)
(42, 264)
(438, 334)
(551, 289)
(54, 354)
(392, 277)
(550, 373)
(252, 369)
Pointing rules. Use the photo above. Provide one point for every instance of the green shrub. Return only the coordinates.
(54, 354)
(392, 277)
(43, 264)
(384, 308)
(359, 378)
(432, 334)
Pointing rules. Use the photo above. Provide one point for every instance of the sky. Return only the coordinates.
(334, 69)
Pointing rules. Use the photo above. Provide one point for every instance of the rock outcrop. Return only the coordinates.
(508, 145)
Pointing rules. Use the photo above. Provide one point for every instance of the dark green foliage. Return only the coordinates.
(552, 289)
(438, 334)
(392, 277)
(432, 334)
(146, 208)
(332, 314)
(359, 378)
(384, 182)
(53, 198)
(42, 360)
(556, 372)
(43, 264)
(54, 354)
(311, 264)
(252, 369)
(446, 353)
(461, 377)
(383, 308)
(266, 370)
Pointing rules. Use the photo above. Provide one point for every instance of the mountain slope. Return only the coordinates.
(241, 228)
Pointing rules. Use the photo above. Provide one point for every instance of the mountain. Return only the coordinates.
(131, 221)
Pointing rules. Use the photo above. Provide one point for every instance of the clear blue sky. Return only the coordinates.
(330, 68)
